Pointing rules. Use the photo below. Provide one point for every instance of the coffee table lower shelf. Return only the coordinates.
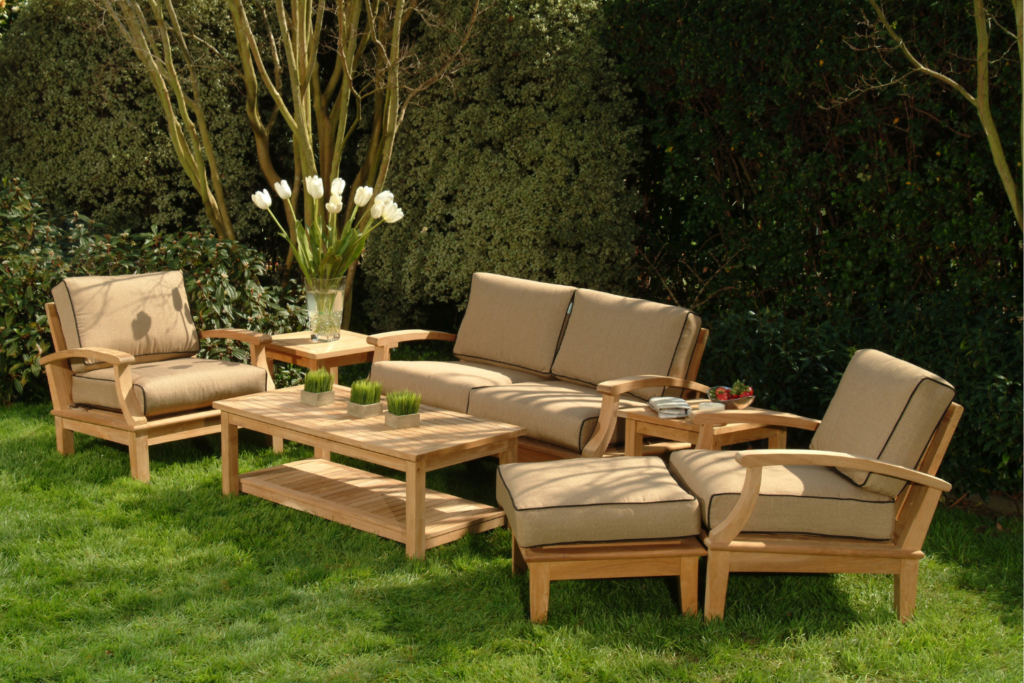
(367, 501)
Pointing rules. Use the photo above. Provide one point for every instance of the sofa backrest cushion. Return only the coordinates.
(611, 337)
(884, 409)
(513, 323)
(145, 315)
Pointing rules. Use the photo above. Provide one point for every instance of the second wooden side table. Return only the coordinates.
(641, 422)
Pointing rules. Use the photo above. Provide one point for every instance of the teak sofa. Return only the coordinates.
(124, 366)
(533, 354)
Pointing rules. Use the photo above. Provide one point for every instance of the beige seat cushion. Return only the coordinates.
(559, 413)
(593, 500)
(884, 409)
(799, 500)
(145, 315)
(611, 337)
(444, 384)
(514, 323)
(171, 386)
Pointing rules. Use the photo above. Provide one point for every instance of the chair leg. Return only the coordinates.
(717, 581)
(65, 437)
(688, 578)
(138, 457)
(905, 590)
(540, 590)
(518, 561)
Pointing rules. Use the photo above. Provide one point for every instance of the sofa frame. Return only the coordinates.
(130, 427)
(532, 450)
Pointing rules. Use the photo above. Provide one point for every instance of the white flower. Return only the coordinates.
(384, 197)
(337, 186)
(262, 199)
(334, 206)
(314, 186)
(282, 189)
(391, 213)
(375, 211)
(363, 195)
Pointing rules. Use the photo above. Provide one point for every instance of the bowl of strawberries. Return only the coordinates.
(736, 397)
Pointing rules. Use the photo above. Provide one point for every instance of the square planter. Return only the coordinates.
(402, 421)
(324, 398)
(359, 411)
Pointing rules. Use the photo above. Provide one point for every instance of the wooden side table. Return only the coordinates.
(641, 422)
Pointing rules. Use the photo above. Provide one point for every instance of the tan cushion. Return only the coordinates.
(611, 337)
(512, 322)
(559, 413)
(171, 386)
(884, 409)
(592, 500)
(798, 500)
(444, 384)
(145, 315)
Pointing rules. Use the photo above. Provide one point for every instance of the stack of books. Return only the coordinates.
(669, 407)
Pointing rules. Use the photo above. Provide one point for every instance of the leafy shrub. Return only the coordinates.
(225, 281)
(365, 392)
(403, 402)
(318, 381)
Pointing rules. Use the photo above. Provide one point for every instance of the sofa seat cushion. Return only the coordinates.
(145, 315)
(512, 322)
(884, 409)
(171, 386)
(611, 337)
(559, 413)
(594, 500)
(801, 499)
(444, 384)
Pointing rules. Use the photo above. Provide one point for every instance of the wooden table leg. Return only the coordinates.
(334, 374)
(415, 503)
(778, 438)
(230, 485)
(634, 439)
(706, 440)
(321, 453)
(277, 443)
(511, 453)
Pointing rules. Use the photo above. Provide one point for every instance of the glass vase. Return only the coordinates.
(325, 302)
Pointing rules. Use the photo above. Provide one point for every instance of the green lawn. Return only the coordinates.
(106, 579)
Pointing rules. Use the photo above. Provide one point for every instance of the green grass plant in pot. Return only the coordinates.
(364, 399)
(318, 389)
(403, 409)
(323, 251)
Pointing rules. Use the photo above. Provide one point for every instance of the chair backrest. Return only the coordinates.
(884, 409)
(611, 337)
(145, 315)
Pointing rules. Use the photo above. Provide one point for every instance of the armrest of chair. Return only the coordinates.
(90, 353)
(247, 336)
(385, 341)
(754, 461)
(756, 416)
(617, 387)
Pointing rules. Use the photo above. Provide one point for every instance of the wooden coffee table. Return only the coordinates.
(641, 422)
(407, 512)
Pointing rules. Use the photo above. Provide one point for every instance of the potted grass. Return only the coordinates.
(319, 388)
(403, 410)
(364, 399)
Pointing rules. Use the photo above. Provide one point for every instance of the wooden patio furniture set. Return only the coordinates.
(554, 382)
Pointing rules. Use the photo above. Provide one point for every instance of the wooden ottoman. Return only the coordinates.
(600, 518)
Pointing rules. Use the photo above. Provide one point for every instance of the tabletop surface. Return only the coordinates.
(299, 344)
(441, 432)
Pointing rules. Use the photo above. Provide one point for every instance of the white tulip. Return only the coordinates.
(337, 186)
(384, 197)
(314, 186)
(282, 189)
(363, 195)
(262, 199)
(391, 213)
(334, 206)
(375, 211)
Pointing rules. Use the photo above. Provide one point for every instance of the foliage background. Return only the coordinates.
(663, 149)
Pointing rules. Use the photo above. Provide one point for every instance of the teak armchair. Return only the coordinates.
(124, 418)
(884, 414)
